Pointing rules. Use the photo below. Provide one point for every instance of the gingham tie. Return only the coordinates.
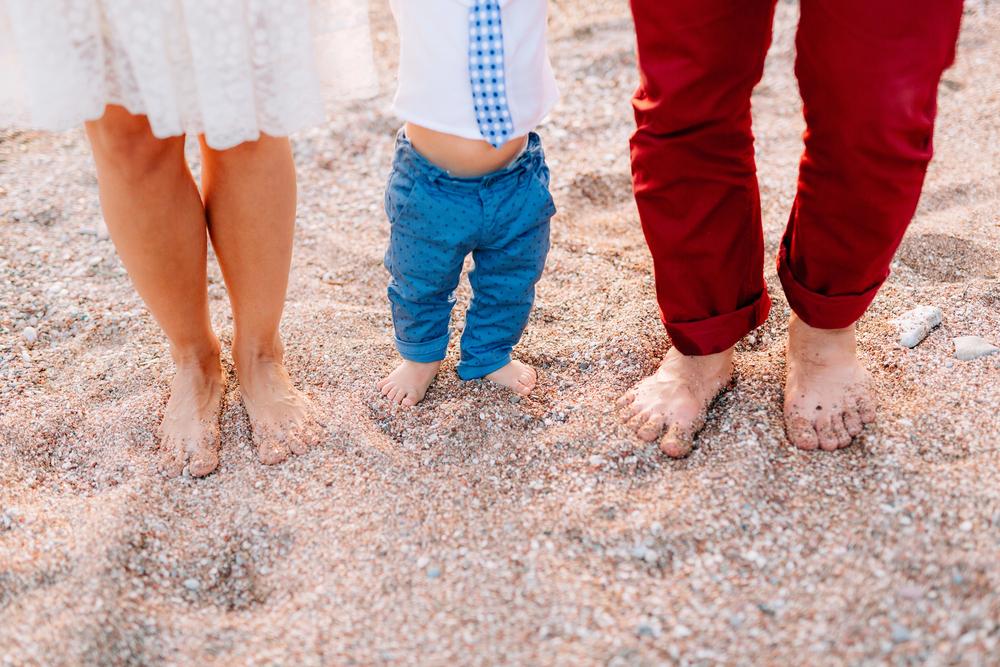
(486, 71)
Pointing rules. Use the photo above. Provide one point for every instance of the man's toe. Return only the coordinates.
(626, 399)
(636, 421)
(840, 430)
(801, 432)
(678, 441)
(866, 408)
(651, 429)
(852, 422)
(827, 436)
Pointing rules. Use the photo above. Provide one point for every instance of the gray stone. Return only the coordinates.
(649, 628)
(968, 348)
(192, 584)
(900, 634)
(914, 325)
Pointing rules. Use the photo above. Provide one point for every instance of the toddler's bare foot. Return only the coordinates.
(516, 376)
(281, 416)
(676, 398)
(409, 382)
(189, 432)
(827, 392)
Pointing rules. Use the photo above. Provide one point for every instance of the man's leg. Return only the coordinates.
(696, 188)
(868, 73)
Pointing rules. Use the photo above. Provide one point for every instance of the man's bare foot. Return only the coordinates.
(520, 378)
(281, 416)
(675, 399)
(189, 432)
(408, 383)
(827, 392)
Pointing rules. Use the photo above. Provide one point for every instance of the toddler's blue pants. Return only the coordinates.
(436, 220)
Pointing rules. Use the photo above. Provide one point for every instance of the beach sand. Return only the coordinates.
(476, 529)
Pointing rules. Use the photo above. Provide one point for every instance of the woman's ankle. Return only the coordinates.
(257, 350)
(204, 354)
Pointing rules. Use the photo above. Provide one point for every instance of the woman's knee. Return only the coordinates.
(125, 142)
(270, 150)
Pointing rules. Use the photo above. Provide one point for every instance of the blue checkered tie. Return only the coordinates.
(486, 71)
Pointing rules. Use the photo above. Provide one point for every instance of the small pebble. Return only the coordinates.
(433, 573)
(648, 629)
(192, 584)
(30, 335)
(968, 348)
(914, 325)
(900, 633)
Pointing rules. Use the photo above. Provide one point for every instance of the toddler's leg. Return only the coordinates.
(424, 258)
(503, 284)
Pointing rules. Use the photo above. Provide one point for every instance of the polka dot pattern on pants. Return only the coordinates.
(486, 72)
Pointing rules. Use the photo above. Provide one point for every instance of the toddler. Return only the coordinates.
(469, 176)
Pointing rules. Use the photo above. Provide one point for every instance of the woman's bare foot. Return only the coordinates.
(676, 398)
(827, 392)
(281, 416)
(408, 383)
(520, 378)
(189, 432)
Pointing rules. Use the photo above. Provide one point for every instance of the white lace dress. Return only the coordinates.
(228, 69)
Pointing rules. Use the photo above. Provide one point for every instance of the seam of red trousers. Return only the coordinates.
(819, 310)
(721, 332)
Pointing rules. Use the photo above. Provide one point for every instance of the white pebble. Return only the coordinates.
(30, 335)
(914, 325)
(968, 348)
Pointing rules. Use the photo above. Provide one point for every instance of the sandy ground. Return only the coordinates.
(475, 529)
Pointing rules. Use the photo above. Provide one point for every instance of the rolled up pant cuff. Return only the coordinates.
(719, 333)
(426, 352)
(467, 371)
(818, 310)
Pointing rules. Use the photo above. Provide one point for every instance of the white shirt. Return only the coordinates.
(435, 90)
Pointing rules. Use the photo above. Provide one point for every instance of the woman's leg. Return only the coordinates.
(249, 195)
(157, 222)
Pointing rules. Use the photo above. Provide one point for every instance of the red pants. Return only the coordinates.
(868, 72)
